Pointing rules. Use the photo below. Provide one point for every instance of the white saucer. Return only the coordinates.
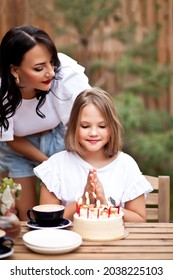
(63, 224)
(52, 241)
(7, 254)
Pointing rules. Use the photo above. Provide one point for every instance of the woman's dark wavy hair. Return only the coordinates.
(16, 42)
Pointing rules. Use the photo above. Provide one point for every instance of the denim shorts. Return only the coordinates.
(19, 166)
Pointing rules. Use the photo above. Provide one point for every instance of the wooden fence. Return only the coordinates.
(145, 12)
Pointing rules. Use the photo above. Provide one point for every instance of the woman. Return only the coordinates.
(38, 87)
(94, 161)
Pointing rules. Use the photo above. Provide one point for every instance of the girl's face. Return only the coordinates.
(93, 131)
(36, 71)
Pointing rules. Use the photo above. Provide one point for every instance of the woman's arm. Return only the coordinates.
(135, 210)
(25, 147)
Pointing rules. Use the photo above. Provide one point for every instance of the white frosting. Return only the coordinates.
(98, 227)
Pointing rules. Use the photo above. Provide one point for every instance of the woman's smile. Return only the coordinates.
(47, 82)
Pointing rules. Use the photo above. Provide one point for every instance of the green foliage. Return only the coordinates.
(137, 70)
(124, 35)
(131, 112)
(85, 15)
(144, 77)
(15, 188)
(148, 136)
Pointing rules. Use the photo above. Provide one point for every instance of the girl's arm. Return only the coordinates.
(135, 210)
(47, 197)
(27, 149)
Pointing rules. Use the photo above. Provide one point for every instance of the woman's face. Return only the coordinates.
(36, 71)
(93, 131)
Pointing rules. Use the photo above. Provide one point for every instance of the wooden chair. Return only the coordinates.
(158, 201)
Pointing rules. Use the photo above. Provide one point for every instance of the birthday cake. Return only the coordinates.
(101, 223)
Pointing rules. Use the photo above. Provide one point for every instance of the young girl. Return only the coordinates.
(37, 91)
(94, 161)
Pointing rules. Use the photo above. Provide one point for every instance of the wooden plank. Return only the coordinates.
(148, 225)
(164, 195)
(163, 45)
(100, 256)
(150, 236)
(170, 51)
(126, 249)
(150, 14)
(153, 181)
(152, 213)
(150, 230)
(152, 199)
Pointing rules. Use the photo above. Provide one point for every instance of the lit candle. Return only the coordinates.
(79, 205)
(118, 207)
(98, 208)
(95, 197)
(88, 212)
(109, 207)
(109, 211)
(87, 198)
(77, 208)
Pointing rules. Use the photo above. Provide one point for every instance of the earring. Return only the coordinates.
(17, 81)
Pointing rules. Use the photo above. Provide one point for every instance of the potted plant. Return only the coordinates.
(9, 192)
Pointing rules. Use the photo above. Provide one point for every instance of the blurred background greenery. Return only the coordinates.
(127, 49)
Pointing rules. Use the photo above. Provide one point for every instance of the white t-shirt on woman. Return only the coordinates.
(70, 81)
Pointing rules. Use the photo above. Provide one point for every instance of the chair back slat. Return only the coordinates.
(152, 214)
(152, 199)
(158, 201)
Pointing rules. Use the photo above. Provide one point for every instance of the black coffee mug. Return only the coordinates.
(5, 240)
(46, 214)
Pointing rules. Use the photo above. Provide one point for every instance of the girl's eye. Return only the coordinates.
(102, 126)
(38, 69)
(84, 126)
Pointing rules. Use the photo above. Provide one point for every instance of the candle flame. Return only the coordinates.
(117, 203)
(94, 194)
(86, 195)
(80, 201)
(108, 201)
(98, 203)
(87, 198)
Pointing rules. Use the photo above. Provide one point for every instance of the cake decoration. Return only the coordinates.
(98, 221)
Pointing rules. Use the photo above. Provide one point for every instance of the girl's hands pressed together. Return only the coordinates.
(94, 186)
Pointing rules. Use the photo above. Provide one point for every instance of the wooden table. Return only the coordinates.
(145, 241)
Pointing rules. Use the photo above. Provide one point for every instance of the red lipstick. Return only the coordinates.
(47, 82)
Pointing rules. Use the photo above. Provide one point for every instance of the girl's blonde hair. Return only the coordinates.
(104, 103)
